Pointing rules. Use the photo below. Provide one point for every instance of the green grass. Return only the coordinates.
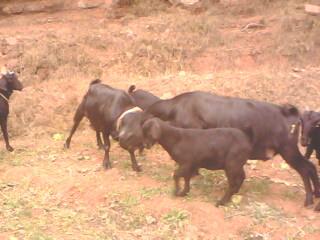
(176, 217)
(257, 186)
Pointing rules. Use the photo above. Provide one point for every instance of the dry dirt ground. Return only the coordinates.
(47, 192)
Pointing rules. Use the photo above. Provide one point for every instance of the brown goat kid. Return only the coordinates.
(225, 149)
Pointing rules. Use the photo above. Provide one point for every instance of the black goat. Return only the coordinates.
(104, 106)
(275, 128)
(310, 135)
(225, 149)
(8, 83)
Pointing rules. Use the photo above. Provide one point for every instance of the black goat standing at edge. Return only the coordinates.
(8, 83)
(310, 133)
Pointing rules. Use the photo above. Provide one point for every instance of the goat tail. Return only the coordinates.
(131, 88)
(95, 81)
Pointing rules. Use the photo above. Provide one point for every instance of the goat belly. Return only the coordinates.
(212, 164)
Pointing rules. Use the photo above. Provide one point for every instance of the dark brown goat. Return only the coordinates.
(8, 83)
(225, 149)
(104, 106)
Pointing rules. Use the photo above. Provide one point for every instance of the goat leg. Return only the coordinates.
(309, 151)
(106, 160)
(186, 173)
(235, 179)
(99, 140)
(3, 122)
(135, 165)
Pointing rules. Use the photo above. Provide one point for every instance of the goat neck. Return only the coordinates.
(170, 135)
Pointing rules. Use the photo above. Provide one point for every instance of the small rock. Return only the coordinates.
(11, 41)
(138, 232)
(150, 219)
(236, 199)
(184, 2)
(182, 74)
(312, 9)
(13, 9)
(122, 3)
(90, 3)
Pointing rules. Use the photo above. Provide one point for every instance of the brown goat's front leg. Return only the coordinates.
(235, 179)
(186, 173)
(186, 188)
(3, 122)
(309, 151)
(134, 163)
(106, 160)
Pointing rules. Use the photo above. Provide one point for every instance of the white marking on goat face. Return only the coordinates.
(122, 133)
(134, 109)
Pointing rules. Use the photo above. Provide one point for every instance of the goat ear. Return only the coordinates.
(131, 88)
(155, 130)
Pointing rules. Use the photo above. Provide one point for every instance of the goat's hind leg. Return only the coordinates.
(305, 168)
(76, 121)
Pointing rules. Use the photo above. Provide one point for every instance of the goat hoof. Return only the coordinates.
(137, 169)
(66, 146)
(181, 194)
(220, 203)
(317, 208)
(100, 147)
(10, 149)
(308, 202)
(107, 166)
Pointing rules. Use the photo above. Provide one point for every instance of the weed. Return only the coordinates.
(148, 193)
(290, 194)
(209, 182)
(298, 38)
(142, 8)
(176, 217)
(258, 186)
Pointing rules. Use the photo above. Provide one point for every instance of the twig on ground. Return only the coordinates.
(252, 25)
